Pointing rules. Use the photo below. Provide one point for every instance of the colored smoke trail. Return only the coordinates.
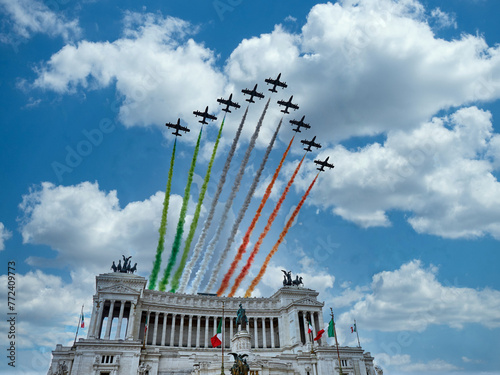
(175, 280)
(246, 238)
(288, 225)
(227, 206)
(266, 230)
(206, 226)
(163, 225)
(182, 218)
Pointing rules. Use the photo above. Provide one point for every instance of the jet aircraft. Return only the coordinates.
(300, 124)
(276, 82)
(177, 127)
(252, 93)
(228, 103)
(205, 115)
(288, 104)
(324, 163)
(310, 144)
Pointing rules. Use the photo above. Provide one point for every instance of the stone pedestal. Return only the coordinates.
(240, 343)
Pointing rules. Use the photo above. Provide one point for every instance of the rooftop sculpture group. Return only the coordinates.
(287, 279)
(125, 267)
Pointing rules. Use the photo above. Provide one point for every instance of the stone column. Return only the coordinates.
(306, 326)
(110, 319)
(264, 337)
(172, 332)
(198, 321)
(164, 329)
(131, 321)
(120, 320)
(93, 318)
(215, 325)
(190, 327)
(256, 331)
(231, 329)
(98, 322)
(272, 332)
(297, 327)
(207, 320)
(155, 331)
(181, 333)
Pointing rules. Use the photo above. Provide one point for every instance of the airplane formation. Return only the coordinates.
(254, 93)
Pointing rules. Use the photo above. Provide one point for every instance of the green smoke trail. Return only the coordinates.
(175, 281)
(182, 218)
(163, 224)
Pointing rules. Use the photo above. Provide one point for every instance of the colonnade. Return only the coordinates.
(195, 331)
(302, 328)
(112, 315)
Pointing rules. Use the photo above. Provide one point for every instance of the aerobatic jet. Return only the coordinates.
(288, 104)
(276, 82)
(252, 93)
(228, 103)
(205, 115)
(300, 124)
(310, 144)
(323, 163)
(177, 127)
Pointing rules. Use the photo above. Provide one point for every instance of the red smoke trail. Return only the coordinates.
(266, 230)
(280, 240)
(246, 238)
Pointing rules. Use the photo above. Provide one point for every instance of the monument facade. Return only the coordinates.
(136, 331)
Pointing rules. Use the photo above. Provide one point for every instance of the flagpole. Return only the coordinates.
(355, 326)
(223, 334)
(78, 326)
(336, 342)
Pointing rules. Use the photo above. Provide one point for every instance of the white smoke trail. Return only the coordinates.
(206, 226)
(229, 202)
(243, 210)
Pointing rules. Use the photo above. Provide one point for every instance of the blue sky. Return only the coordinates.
(402, 235)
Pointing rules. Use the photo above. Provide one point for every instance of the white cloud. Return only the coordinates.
(49, 302)
(28, 17)
(441, 173)
(88, 228)
(411, 299)
(443, 19)
(159, 73)
(403, 362)
(4, 235)
(365, 67)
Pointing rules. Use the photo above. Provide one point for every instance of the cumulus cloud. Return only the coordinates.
(29, 17)
(403, 362)
(88, 228)
(4, 235)
(158, 71)
(49, 302)
(441, 172)
(411, 299)
(368, 67)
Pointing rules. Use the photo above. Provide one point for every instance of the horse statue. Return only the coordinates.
(297, 281)
(240, 366)
(241, 317)
(287, 278)
(133, 269)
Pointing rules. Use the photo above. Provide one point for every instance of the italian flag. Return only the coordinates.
(320, 333)
(353, 328)
(217, 339)
(331, 331)
(82, 323)
(309, 327)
